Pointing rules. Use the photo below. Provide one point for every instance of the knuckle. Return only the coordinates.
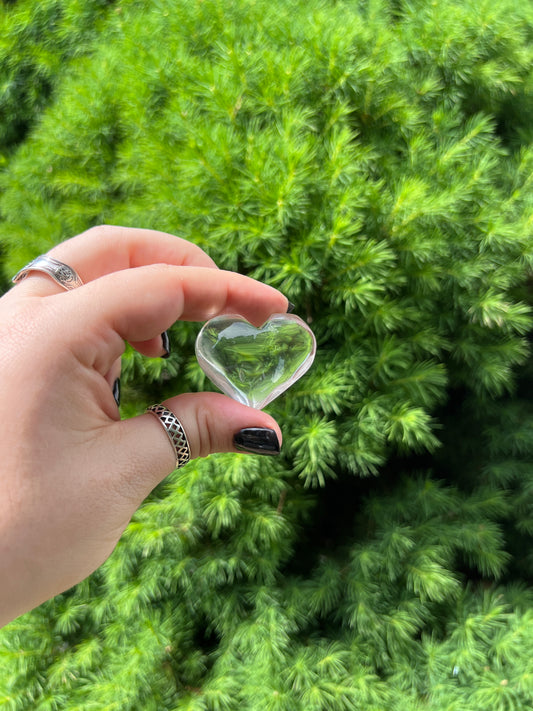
(205, 434)
(96, 230)
(103, 231)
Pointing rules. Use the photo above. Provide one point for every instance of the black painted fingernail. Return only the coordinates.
(290, 307)
(166, 345)
(116, 391)
(258, 440)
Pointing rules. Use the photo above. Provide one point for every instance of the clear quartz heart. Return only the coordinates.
(255, 365)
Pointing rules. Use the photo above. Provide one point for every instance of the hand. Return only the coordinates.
(73, 473)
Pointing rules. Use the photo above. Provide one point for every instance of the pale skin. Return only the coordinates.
(72, 473)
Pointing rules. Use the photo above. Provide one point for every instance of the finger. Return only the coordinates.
(139, 304)
(211, 422)
(113, 378)
(106, 249)
(158, 347)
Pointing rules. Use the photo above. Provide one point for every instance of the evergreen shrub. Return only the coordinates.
(373, 160)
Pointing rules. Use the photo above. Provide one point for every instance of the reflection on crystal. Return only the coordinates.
(255, 365)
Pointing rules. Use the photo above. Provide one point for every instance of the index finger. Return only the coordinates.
(138, 304)
(105, 249)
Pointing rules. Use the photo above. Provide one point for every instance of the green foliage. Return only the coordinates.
(37, 40)
(374, 161)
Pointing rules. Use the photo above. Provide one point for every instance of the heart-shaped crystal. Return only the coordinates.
(255, 365)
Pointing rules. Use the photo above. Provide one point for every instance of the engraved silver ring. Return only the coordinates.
(60, 272)
(175, 433)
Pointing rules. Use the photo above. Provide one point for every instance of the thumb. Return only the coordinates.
(212, 423)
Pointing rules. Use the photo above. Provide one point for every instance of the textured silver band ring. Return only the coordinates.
(61, 273)
(175, 432)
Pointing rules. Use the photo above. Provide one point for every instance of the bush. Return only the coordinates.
(373, 160)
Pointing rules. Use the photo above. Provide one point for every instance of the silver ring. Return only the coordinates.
(175, 432)
(61, 273)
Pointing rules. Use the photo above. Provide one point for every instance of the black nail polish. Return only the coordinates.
(116, 391)
(290, 307)
(258, 440)
(166, 344)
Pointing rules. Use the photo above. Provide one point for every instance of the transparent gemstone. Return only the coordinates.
(255, 365)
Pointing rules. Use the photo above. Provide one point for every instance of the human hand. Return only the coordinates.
(72, 472)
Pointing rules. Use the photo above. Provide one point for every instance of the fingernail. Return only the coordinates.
(258, 440)
(116, 391)
(166, 345)
(290, 307)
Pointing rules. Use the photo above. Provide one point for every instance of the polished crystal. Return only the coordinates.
(255, 365)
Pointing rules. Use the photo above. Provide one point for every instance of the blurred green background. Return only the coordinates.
(373, 160)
